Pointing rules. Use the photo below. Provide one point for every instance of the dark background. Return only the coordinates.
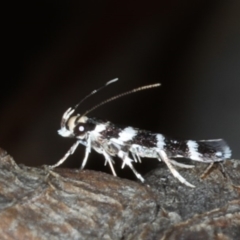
(56, 52)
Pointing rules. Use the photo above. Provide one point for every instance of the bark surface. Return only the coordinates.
(36, 203)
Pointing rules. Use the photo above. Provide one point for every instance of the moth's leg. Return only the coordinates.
(182, 165)
(134, 151)
(128, 161)
(69, 152)
(106, 147)
(139, 159)
(135, 157)
(107, 151)
(207, 170)
(105, 163)
(163, 156)
(222, 169)
(110, 161)
(87, 151)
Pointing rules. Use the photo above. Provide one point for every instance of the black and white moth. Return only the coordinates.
(110, 140)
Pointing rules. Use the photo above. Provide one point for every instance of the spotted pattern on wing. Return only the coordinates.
(175, 148)
(206, 150)
(145, 139)
(111, 131)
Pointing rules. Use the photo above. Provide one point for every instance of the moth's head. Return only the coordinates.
(74, 126)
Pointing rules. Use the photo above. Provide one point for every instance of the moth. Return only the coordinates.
(132, 144)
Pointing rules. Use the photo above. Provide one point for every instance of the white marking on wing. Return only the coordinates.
(227, 152)
(218, 154)
(127, 134)
(100, 128)
(116, 141)
(160, 141)
(194, 154)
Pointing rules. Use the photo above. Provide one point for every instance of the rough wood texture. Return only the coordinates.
(36, 203)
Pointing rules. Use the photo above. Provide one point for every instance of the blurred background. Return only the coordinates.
(56, 52)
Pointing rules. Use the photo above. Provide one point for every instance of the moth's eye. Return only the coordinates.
(80, 129)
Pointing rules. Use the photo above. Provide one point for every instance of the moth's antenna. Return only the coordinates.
(95, 91)
(122, 95)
